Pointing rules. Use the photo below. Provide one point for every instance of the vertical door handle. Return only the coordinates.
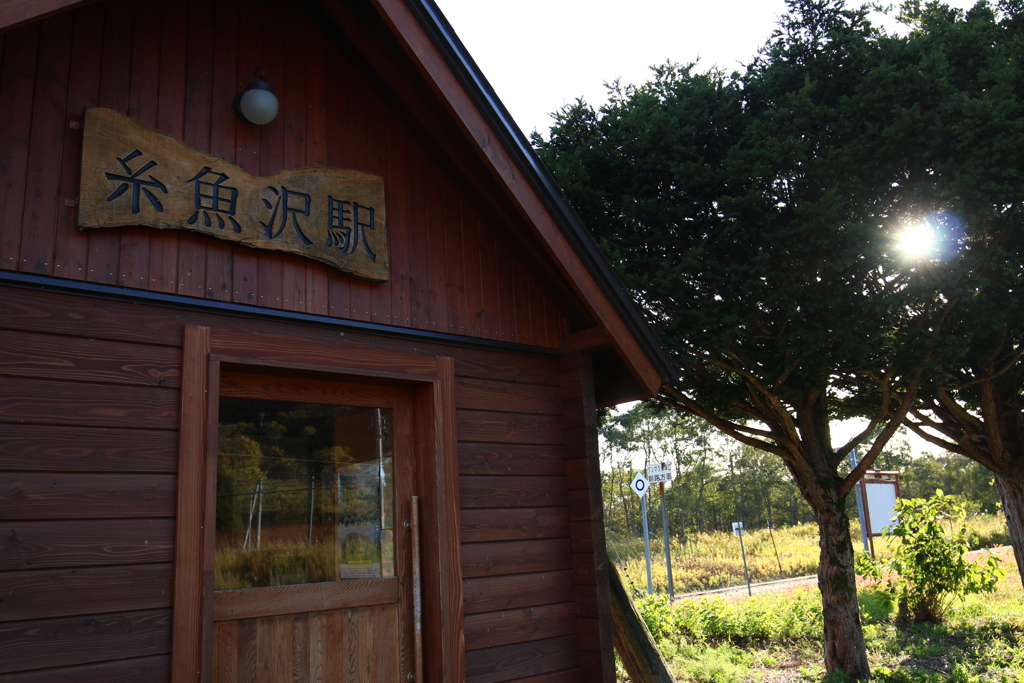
(417, 593)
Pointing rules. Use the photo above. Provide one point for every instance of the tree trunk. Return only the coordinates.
(844, 638)
(1011, 491)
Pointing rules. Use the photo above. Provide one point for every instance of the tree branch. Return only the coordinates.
(894, 423)
(678, 401)
(883, 410)
(771, 406)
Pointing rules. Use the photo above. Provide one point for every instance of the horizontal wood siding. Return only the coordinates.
(517, 560)
(88, 455)
(90, 388)
(457, 265)
(141, 670)
(89, 522)
(77, 640)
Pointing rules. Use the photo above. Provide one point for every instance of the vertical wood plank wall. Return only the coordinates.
(175, 66)
(89, 394)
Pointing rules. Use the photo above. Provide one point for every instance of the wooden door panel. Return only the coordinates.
(350, 630)
(353, 645)
(310, 597)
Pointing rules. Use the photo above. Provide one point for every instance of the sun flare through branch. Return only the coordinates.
(916, 240)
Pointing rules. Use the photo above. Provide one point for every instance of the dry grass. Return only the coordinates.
(713, 560)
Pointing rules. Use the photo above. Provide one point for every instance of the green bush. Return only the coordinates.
(926, 569)
(704, 664)
(795, 615)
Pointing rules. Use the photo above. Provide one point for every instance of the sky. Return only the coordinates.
(540, 55)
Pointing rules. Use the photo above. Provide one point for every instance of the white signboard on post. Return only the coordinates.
(661, 472)
(881, 497)
(640, 485)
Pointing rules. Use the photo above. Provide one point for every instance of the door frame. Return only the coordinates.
(432, 381)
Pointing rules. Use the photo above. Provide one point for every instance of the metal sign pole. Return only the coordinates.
(639, 485)
(668, 547)
(647, 545)
(746, 574)
(860, 506)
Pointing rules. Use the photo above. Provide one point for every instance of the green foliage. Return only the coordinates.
(955, 475)
(756, 216)
(711, 561)
(705, 664)
(753, 213)
(778, 638)
(927, 568)
(766, 618)
(717, 482)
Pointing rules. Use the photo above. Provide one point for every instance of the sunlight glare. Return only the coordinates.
(916, 240)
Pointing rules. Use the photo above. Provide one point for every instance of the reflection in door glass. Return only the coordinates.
(304, 493)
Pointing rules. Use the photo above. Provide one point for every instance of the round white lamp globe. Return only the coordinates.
(258, 106)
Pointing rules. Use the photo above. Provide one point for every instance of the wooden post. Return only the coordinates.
(668, 546)
(633, 640)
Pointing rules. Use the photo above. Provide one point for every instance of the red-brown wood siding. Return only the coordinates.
(456, 264)
(518, 591)
(586, 518)
(88, 457)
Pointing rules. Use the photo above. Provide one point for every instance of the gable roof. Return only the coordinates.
(442, 60)
(433, 45)
(540, 179)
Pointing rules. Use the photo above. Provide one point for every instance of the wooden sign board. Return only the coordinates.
(134, 175)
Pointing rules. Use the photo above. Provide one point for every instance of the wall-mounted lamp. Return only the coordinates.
(257, 105)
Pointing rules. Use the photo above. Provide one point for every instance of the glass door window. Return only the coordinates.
(305, 493)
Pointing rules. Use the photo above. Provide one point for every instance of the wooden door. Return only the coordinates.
(313, 569)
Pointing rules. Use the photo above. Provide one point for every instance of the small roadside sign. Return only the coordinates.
(661, 472)
(640, 485)
(736, 527)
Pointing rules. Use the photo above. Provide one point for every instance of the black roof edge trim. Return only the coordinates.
(433, 21)
(141, 296)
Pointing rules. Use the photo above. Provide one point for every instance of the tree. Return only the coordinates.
(661, 436)
(954, 474)
(715, 484)
(755, 216)
(972, 140)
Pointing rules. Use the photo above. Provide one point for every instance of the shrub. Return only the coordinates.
(927, 569)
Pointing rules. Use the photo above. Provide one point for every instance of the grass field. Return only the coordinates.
(713, 560)
(776, 638)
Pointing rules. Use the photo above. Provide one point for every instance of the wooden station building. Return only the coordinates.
(313, 400)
